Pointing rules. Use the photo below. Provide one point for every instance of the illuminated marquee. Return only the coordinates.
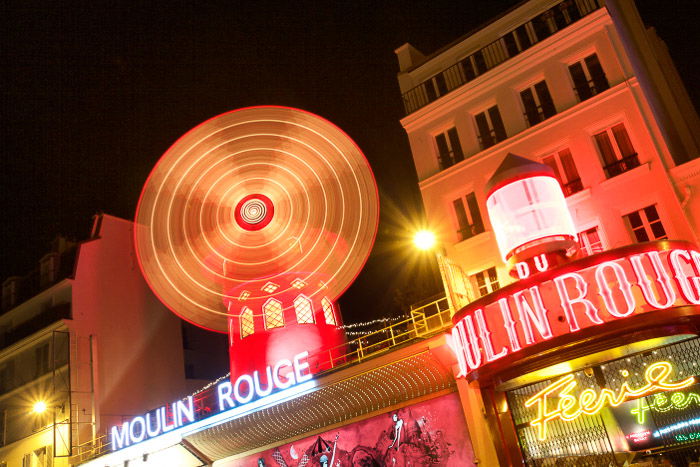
(608, 287)
(245, 389)
(567, 407)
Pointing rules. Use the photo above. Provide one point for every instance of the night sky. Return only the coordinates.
(93, 93)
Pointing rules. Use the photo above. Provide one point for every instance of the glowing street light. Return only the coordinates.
(424, 240)
(39, 407)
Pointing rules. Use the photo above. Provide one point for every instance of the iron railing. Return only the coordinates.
(509, 45)
(622, 165)
(574, 186)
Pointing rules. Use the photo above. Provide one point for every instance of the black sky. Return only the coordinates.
(93, 93)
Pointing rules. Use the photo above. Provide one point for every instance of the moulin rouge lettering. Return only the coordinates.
(613, 289)
(555, 402)
(247, 387)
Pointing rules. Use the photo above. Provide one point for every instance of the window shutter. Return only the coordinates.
(623, 140)
(477, 223)
(567, 163)
(462, 219)
(497, 122)
(545, 98)
(457, 153)
(533, 117)
(597, 74)
(484, 131)
(580, 81)
(605, 147)
(443, 151)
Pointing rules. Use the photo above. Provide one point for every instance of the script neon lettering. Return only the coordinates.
(569, 407)
(662, 403)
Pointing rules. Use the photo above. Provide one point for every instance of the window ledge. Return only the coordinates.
(638, 171)
(479, 239)
(579, 195)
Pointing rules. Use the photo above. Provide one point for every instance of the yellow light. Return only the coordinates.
(39, 407)
(424, 239)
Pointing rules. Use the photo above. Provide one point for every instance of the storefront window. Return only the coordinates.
(641, 408)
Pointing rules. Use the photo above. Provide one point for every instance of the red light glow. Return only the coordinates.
(245, 198)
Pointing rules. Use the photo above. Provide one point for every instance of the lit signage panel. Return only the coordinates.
(224, 396)
(608, 287)
(556, 401)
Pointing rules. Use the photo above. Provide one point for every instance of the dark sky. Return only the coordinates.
(93, 93)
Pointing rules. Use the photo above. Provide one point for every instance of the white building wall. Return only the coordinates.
(604, 201)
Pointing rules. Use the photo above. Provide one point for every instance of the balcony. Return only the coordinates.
(508, 46)
(621, 166)
(470, 231)
(572, 187)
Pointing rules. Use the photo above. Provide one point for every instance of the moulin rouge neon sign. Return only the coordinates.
(246, 388)
(555, 402)
(608, 287)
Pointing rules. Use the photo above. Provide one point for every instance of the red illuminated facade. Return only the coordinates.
(557, 160)
(549, 284)
(253, 223)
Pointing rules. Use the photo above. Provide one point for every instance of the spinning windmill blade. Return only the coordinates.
(249, 196)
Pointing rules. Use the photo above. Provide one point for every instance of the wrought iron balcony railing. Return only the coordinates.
(622, 165)
(509, 45)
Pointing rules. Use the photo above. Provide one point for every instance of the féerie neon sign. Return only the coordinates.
(555, 402)
(607, 287)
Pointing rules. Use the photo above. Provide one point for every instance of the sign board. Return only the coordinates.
(601, 289)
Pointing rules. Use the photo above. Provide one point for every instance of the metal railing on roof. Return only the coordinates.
(507, 46)
(424, 321)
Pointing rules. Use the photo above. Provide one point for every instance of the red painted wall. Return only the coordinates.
(432, 433)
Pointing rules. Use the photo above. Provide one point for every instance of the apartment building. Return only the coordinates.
(582, 86)
(84, 344)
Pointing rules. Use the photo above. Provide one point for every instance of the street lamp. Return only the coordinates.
(424, 240)
(39, 407)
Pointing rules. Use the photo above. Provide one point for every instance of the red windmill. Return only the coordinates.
(254, 223)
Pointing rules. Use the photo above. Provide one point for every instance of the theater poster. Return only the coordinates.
(429, 433)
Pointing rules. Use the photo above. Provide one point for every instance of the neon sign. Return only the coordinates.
(639, 436)
(568, 407)
(247, 388)
(608, 287)
(687, 437)
(677, 426)
(664, 403)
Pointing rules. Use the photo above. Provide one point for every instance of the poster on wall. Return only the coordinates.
(428, 433)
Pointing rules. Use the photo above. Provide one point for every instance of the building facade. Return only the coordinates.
(72, 337)
(585, 88)
(591, 360)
